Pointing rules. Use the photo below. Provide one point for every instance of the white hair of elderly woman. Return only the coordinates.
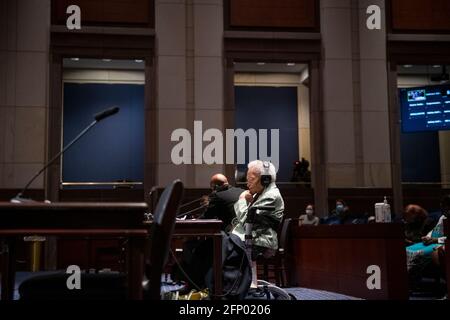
(258, 166)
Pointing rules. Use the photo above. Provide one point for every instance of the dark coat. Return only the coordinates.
(221, 205)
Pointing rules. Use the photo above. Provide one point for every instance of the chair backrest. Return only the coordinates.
(160, 235)
(284, 233)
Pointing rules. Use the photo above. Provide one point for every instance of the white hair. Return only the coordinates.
(258, 166)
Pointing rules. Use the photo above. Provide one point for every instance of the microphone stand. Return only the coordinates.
(19, 197)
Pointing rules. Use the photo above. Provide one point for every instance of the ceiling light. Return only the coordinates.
(75, 59)
(290, 64)
(106, 60)
(260, 63)
(138, 61)
(407, 65)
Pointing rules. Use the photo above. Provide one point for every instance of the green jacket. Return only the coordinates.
(264, 234)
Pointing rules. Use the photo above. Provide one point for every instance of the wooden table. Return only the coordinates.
(336, 257)
(95, 220)
(74, 220)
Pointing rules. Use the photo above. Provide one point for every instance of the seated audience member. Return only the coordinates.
(220, 202)
(414, 219)
(419, 255)
(438, 255)
(371, 218)
(339, 214)
(309, 218)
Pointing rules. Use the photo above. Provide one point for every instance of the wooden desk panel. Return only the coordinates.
(335, 258)
(72, 215)
(94, 221)
(74, 220)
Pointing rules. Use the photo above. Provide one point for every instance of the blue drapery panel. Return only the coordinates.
(261, 107)
(114, 149)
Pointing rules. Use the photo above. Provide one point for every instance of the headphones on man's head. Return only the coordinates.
(266, 178)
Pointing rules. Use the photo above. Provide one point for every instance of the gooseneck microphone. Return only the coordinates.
(98, 117)
(106, 113)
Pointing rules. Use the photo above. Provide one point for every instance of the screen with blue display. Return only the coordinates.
(425, 108)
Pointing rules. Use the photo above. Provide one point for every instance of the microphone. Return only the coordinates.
(97, 118)
(106, 113)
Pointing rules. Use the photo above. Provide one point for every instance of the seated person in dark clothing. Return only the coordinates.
(301, 173)
(343, 215)
(339, 214)
(220, 202)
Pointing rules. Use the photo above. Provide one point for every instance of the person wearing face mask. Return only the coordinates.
(422, 254)
(341, 208)
(339, 215)
(309, 218)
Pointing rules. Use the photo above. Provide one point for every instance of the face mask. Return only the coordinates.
(309, 212)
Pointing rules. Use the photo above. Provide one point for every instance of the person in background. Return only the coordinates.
(438, 255)
(420, 255)
(309, 218)
(371, 218)
(301, 172)
(414, 218)
(339, 215)
(220, 202)
(341, 209)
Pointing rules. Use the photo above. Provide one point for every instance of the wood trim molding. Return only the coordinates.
(100, 45)
(272, 35)
(312, 28)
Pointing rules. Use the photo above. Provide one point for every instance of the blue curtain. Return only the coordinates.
(114, 149)
(261, 107)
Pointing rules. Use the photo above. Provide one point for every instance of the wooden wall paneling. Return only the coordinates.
(138, 13)
(419, 16)
(336, 258)
(272, 14)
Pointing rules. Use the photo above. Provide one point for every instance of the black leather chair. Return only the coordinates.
(113, 285)
(276, 265)
(160, 236)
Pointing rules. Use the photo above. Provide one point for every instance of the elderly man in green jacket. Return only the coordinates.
(260, 193)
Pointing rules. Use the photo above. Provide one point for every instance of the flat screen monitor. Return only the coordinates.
(425, 108)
